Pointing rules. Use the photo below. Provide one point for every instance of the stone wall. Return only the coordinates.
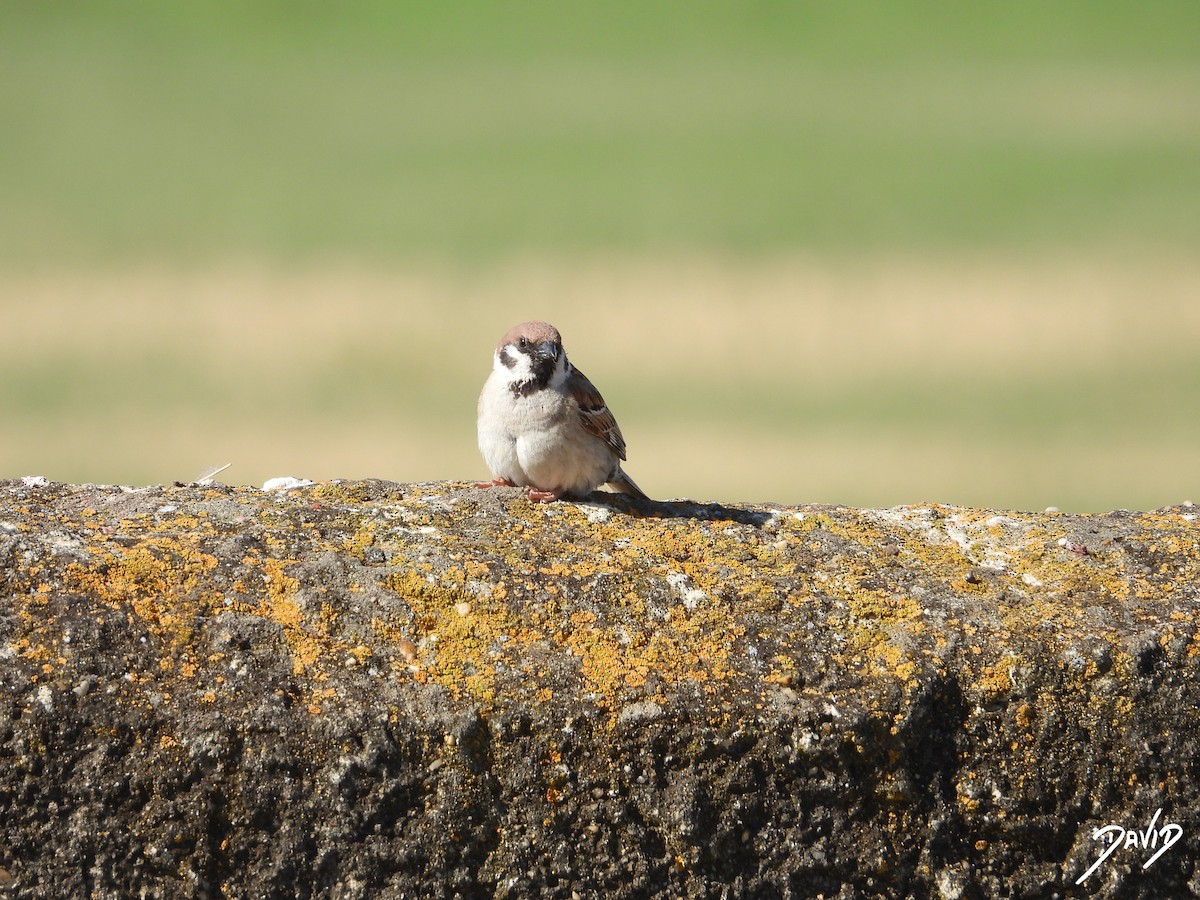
(429, 690)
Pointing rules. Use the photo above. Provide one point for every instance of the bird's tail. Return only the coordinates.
(626, 485)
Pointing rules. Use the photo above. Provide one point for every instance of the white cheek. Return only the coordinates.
(520, 370)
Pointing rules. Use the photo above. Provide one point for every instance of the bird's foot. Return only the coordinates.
(495, 482)
(542, 496)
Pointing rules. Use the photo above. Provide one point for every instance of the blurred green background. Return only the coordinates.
(864, 253)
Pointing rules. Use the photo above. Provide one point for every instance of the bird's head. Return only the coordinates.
(532, 355)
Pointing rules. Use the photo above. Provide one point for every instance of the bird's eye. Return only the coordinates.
(524, 342)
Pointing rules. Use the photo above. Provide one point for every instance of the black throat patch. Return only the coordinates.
(541, 370)
(525, 388)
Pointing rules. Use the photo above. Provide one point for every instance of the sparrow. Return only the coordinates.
(543, 426)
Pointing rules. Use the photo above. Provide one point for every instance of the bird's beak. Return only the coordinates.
(548, 349)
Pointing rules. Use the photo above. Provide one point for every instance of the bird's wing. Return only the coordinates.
(593, 412)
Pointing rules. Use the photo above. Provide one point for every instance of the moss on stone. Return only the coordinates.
(973, 668)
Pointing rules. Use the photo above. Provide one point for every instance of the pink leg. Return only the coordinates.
(495, 482)
(543, 496)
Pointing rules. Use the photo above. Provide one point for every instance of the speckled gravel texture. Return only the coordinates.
(369, 689)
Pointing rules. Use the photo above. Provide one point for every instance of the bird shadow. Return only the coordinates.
(679, 509)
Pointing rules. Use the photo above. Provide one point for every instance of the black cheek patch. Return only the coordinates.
(507, 358)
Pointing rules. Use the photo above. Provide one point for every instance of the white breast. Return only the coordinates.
(537, 440)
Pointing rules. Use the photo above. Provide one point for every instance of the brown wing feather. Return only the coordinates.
(594, 414)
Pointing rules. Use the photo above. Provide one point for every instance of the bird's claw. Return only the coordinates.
(495, 482)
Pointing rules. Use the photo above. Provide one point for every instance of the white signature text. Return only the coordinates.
(1148, 838)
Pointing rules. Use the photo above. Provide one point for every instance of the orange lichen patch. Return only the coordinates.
(873, 621)
(34, 651)
(969, 585)
(690, 647)
(603, 662)
(308, 638)
(879, 606)
(323, 695)
(558, 570)
(1066, 574)
(711, 558)
(1171, 547)
(890, 660)
(996, 680)
(466, 648)
(617, 651)
(164, 582)
(361, 540)
(1024, 716)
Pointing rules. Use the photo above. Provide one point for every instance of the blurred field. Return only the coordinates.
(862, 253)
(880, 383)
(198, 131)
